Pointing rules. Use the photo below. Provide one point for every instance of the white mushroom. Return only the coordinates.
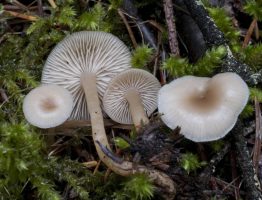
(206, 109)
(47, 106)
(131, 97)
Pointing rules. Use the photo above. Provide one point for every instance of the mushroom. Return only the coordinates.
(47, 106)
(206, 109)
(131, 97)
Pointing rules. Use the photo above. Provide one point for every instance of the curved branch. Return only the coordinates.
(214, 37)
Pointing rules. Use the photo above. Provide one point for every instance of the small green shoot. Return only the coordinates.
(254, 8)
(121, 143)
(139, 187)
(141, 56)
(191, 163)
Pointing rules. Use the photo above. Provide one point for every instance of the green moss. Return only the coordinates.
(225, 24)
(190, 162)
(141, 56)
(204, 67)
(254, 8)
(252, 55)
(21, 161)
(136, 187)
(256, 93)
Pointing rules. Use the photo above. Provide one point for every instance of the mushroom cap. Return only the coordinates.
(114, 101)
(206, 109)
(100, 53)
(47, 106)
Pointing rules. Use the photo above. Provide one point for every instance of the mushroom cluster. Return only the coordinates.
(206, 109)
(87, 68)
(84, 63)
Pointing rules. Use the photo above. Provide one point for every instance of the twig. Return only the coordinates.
(40, 8)
(244, 161)
(249, 32)
(257, 31)
(52, 3)
(156, 25)
(97, 166)
(163, 73)
(156, 63)
(257, 146)
(90, 164)
(157, 53)
(17, 3)
(211, 168)
(87, 123)
(20, 15)
(130, 32)
(227, 186)
(3, 95)
(172, 34)
(16, 8)
(129, 7)
(235, 181)
(108, 172)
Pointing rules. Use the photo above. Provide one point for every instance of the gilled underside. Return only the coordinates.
(127, 90)
(98, 53)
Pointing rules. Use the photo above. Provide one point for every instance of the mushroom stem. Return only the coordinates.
(125, 168)
(136, 108)
(88, 82)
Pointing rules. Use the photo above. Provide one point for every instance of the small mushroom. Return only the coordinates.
(131, 97)
(47, 106)
(206, 109)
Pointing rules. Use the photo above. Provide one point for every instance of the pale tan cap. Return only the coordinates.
(47, 106)
(206, 109)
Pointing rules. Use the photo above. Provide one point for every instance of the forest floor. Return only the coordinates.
(169, 39)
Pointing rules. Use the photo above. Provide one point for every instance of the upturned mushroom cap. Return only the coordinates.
(47, 106)
(98, 53)
(206, 109)
(115, 103)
